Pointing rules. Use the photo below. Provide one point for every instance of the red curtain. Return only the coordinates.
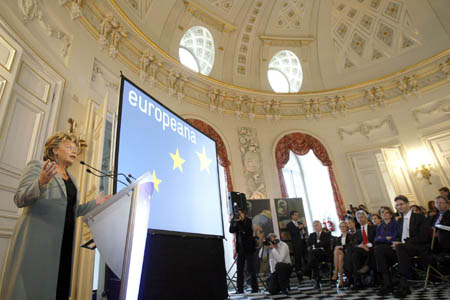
(221, 150)
(300, 144)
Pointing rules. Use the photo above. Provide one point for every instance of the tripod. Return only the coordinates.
(233, 278)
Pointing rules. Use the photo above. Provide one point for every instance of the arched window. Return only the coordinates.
(197, 50)
(285, 72)
(305, 171)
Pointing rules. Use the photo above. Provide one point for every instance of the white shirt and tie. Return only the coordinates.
(406, 221)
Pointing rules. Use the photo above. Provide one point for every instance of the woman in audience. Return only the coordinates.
(386, 234)
(342, 243)
(432, 210)
(376, 219)
(388, 229)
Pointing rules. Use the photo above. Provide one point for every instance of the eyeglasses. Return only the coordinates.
(70, 148)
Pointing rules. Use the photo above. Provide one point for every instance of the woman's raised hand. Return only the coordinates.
(47, 173)
(102, 198)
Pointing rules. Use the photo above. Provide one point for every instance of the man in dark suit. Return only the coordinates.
(320, 243)
(241, 225)
(442, 243)
(412, 239)
(362, 252)
(298, 238)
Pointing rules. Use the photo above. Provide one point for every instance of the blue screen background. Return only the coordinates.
(186, 201)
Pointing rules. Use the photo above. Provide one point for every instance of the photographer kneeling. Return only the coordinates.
(280, 264)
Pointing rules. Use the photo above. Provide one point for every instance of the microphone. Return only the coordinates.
(129, 175)
(106, 174)
(126, 177)
(88, 170)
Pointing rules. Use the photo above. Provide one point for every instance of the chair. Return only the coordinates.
(435, 270)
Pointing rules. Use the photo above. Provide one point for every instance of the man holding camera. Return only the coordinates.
(280, 264)
(241, 225)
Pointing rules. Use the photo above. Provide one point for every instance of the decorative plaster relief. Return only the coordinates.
(140, 57)
(75, 7)
(373, 30)
(208, 18)
(432, 113)
(375, 97)
(408, 85)
(104, 80)
(445, 68)
(176, 83)
(291, 15)
(246, 37)
(31, 10)
(251, 159)
(110, 34)
(372, 129)
(225, 5)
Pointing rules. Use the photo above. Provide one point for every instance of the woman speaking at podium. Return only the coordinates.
(39, 260)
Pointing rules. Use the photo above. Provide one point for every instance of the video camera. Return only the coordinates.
(269, 242)
(236, 215)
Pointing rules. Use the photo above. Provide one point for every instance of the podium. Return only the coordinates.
(119, 230)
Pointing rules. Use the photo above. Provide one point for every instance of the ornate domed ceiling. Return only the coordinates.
(355, 54)
(339, 42)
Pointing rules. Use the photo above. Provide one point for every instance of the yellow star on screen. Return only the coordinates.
(156, 181)
(204, 161)
(177, 161)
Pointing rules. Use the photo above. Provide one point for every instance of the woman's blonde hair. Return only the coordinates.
(344, 223)
(55, 140)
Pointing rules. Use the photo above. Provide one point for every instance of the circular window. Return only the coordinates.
(285, 72)
(197, 50)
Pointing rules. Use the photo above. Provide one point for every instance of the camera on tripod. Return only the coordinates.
(270, 242)
(236, 215)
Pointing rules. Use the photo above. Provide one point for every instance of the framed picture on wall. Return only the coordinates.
(283, 207)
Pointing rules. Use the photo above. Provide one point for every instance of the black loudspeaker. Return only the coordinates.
(238, 200)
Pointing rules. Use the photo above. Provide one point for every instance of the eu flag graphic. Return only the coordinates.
(182, 161)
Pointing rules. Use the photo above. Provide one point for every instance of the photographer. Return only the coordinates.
(280, 264)
(245, 249)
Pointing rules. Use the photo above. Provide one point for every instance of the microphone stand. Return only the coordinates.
(105, 174)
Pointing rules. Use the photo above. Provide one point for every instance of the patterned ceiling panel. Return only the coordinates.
(366, 32)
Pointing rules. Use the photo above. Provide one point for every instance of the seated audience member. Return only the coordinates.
(320, 243)
(445, 192)
(432, 210)
(280, 264)
(385, 255)
(412, 239)
(362, 250)
(352, 226)
(443, 218)
(298, 237)
(342, 244)
(376, 219)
